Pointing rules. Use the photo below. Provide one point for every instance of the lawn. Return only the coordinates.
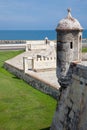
(21, 106)
(84, 50)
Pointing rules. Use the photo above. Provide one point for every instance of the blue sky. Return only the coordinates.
(39, 14)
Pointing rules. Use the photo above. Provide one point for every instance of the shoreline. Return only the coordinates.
(84, 41)
(12, 41)
(21, 44)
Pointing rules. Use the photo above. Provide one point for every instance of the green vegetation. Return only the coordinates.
(21, 106)
(84, 50)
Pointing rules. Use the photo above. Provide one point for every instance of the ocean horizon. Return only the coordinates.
(31, 34)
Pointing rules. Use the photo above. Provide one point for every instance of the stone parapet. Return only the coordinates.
(39, 63)
(36, 45)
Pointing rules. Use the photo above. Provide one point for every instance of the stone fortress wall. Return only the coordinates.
(71, 111)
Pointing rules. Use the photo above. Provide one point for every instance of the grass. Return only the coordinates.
(21, 106)
(84, 50)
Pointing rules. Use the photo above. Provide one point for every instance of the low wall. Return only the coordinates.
(39, 64)
(33, 81)
(36, 47)
(35, 41)
(44, 63)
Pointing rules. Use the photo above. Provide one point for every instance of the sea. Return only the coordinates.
(30, 34)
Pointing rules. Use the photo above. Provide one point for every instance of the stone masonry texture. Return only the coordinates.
(71, 112)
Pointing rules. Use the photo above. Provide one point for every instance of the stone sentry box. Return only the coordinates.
(69, 47)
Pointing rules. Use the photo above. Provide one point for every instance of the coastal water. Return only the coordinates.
(30, 34)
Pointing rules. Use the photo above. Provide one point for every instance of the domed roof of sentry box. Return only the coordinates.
(69, 23)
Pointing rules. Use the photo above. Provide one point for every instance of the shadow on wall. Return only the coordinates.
(48, 128)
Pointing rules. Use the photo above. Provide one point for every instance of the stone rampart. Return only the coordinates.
(71, 112)
(33, 81)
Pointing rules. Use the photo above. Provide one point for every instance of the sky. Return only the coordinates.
(39, 14)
